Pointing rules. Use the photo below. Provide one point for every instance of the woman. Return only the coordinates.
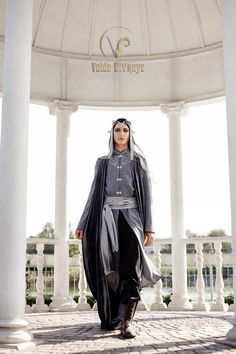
(115, 226)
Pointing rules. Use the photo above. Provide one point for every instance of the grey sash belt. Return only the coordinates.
(121, 202)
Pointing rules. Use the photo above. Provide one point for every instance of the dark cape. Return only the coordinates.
(107, 303)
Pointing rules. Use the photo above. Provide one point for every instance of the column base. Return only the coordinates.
(40, 308)
(19, 346)
(219, 307)
(15, 333)
(28, 309)
(62, 305)
(180, 304)
(231, 308)
(142, 306)
(83, 307)
(158, 307)
(201, 307)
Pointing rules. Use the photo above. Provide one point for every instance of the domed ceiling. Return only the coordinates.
(125, 52)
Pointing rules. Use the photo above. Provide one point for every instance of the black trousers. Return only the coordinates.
(130, 262)
(130, 268)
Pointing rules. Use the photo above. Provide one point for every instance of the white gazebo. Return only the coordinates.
(67, 54)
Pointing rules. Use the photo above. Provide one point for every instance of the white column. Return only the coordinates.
(13, 171)
(229, 47)
(180, 298)
(61, 300)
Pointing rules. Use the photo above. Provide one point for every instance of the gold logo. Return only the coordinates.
(109, 45)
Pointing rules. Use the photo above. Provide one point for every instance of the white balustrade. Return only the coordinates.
(200, 284)
(158, 305)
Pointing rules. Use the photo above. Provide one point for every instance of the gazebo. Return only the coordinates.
(163, 54)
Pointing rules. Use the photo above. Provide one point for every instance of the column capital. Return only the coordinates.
(60, 105)
(178, 108)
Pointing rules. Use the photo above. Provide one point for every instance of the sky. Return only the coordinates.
(205, 164)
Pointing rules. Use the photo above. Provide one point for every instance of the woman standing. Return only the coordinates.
(115, 226)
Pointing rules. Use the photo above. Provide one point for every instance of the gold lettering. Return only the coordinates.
(93, 67)
(117, 67)
(101, 67)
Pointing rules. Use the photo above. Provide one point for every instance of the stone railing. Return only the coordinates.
(197, 259)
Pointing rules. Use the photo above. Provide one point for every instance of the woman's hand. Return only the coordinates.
(79, 233)
(148, 238)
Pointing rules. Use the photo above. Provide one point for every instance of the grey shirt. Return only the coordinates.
(119, 183)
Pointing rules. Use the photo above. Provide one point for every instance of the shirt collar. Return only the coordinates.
(123, 153)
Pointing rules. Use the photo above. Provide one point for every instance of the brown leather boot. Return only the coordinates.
(126, 325)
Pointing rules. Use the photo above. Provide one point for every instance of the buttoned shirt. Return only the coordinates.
(119, 182)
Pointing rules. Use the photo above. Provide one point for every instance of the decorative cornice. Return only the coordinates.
(59, 106)
(174, 108)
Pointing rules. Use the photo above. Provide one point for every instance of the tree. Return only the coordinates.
(47, 231)
(216, 233)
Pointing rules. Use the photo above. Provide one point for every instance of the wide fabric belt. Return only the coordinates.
(121, 202)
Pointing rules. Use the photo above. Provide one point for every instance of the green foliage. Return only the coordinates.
(217, 233)
(90, 300)
(31, 300)
(48, 299)
(73, 250)
(229, 299)
(167, 299)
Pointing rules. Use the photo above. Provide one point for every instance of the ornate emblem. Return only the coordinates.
(110, 46)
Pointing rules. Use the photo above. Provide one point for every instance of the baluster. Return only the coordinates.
(201, 304)
(82, 302)
(28, 308)
(219, 283)
(158, 304)
(40, 306)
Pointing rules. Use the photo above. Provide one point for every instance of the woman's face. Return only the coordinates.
(121, 135)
